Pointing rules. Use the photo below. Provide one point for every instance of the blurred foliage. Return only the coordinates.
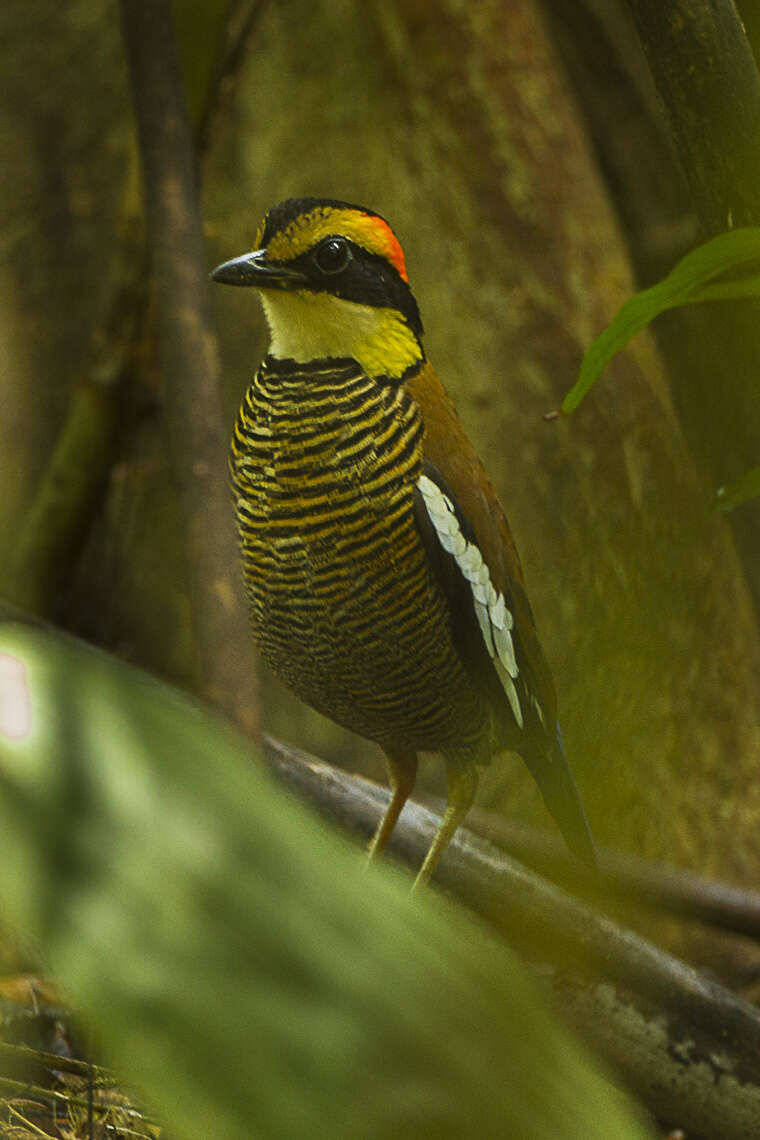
(235, 957)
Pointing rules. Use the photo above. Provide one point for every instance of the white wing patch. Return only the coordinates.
(494, 618)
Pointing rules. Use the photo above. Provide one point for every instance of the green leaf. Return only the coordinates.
(691, 281)
(733, 494)
(239, 964)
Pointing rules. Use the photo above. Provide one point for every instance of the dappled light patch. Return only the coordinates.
(15, 705)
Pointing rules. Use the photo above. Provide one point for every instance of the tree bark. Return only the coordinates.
(704, 70)
(197, 446)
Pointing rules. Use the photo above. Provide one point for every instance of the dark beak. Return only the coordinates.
(253, 269)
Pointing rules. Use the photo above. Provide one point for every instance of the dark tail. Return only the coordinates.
(552, 773)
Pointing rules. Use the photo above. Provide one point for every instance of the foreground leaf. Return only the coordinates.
(236, 960)
(691, 281)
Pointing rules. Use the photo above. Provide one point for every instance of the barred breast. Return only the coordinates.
(324, 465)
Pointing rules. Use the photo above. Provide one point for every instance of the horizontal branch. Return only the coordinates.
(624, 877)
(687, 1047)
(21, 1056)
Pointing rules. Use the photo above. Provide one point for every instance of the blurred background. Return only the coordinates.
(525, 164)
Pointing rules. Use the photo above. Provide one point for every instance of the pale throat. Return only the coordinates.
(308, 326)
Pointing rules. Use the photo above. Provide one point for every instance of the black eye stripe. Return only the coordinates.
(367, 278)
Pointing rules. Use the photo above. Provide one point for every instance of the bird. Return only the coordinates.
(382, 580)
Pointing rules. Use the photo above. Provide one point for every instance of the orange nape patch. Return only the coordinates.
(367, 230)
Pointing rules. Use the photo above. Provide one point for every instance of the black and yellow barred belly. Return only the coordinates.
(345, 610)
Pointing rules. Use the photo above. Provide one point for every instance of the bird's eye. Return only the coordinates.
(332, 255)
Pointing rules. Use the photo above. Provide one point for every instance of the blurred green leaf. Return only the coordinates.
(237, 961)
(691, 281)
(733, 494)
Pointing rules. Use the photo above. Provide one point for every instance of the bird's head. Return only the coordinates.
(333, 284)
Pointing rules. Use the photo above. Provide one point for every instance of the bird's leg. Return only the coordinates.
(463, 782)
(402, 772)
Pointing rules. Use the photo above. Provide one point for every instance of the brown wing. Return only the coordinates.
(458, 510)
(448, 450)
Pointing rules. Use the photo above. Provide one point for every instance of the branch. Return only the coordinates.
(687, 1047)
(622, 877)
(197, 444)
(703, 66)
(239, 23)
